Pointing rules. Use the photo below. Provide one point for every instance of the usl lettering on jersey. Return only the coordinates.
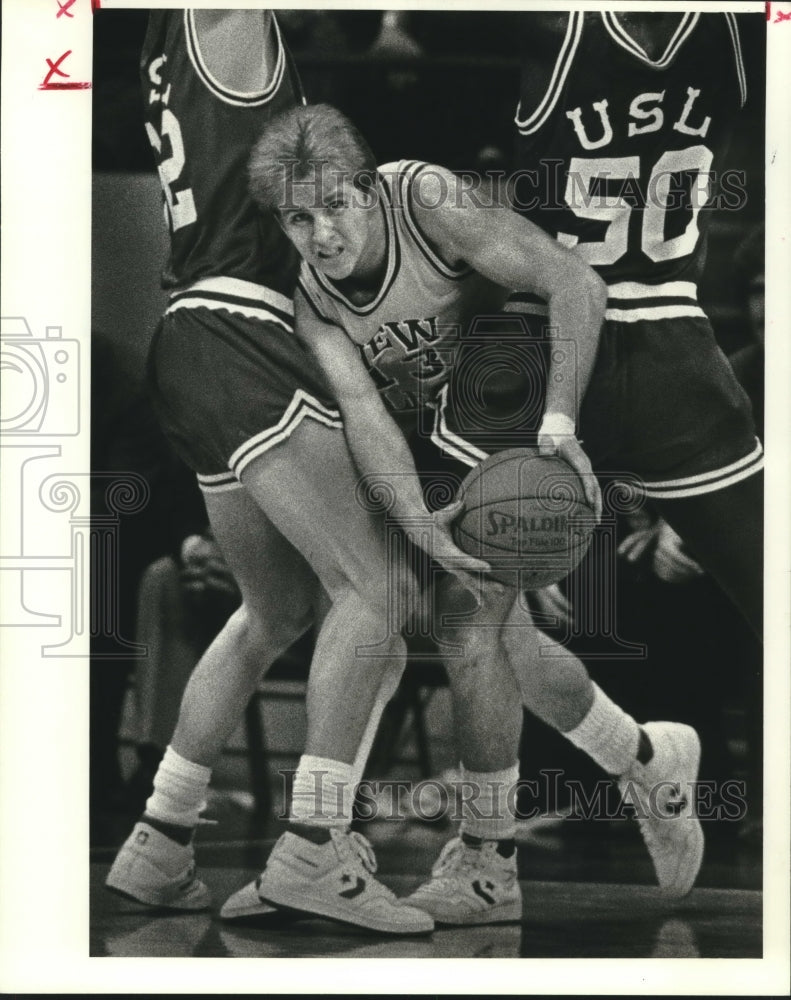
(594, 128)
(401, 357)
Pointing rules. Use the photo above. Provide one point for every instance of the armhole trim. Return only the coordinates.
(308, 296)
(571, 41)
(733, 27)
(409, 175)
(236, 98)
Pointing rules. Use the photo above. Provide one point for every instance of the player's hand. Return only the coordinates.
(395, 42)
(203, 568)
(446, 552)
(671, 563)
(557, 436)
(551, 601)
(637, 543)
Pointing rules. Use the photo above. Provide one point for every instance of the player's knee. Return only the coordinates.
(267, 635)
(472, 646)
(522, 644)
(387, 596)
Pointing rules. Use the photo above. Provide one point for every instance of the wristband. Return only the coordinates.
(557, 425)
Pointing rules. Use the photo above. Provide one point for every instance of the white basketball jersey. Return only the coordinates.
(409, 333)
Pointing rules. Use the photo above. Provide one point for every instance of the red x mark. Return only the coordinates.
(53, 68)
(64, 8)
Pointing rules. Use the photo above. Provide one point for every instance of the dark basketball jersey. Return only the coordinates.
(623, 147)
(202, 134)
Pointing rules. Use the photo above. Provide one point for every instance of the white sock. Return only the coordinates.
(179, 790)
(323, 792)
(607, 734)
(488, 803)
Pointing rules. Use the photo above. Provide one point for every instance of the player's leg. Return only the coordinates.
(156, 864)
(656, 764)
(475, 879)
(724, 532)
(279, 591)
(307, 488)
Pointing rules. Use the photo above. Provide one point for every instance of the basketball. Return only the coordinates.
(527, 516)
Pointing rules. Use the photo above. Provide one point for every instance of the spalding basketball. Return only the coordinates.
(527, 516)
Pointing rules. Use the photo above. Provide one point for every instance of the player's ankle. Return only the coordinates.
(173, 831)
(315, 834)
(505, 846)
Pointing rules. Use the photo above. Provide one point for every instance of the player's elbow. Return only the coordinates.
(587, 283)
(598, 291)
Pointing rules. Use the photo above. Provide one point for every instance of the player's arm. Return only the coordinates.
(513, 252)
(238, 47)
(377, 445)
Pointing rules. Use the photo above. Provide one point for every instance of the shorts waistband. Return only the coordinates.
(235, 295)
(629, 301)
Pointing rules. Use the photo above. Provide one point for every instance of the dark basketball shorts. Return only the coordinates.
(229, 379)
(663, 408)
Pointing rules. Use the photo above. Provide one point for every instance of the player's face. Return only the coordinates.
(336, 228)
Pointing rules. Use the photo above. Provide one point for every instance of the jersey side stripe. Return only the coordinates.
(236, 98)
(446, 440)
(407, 178)
(733, 27)
(534, 122)
(640, 290)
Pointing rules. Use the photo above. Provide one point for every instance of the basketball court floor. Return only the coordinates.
(587, 890)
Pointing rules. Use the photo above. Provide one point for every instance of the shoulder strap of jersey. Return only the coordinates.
(196, 50)
(545, 83)
(409, 171)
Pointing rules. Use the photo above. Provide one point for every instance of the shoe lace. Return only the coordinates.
(455, 857)
(356, 845)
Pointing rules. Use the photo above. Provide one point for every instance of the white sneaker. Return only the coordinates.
(471, 885)
(247, 903)
(333, 880)
(153, 869)
(663, 795)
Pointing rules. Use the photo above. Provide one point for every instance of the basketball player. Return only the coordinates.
(395, 260)
(247, 409)
(623, 124)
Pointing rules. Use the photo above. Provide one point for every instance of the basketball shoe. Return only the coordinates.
(153, 869)
(471, 884)
(663, 795)
(333, 880)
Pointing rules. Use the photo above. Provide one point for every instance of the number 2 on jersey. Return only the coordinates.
(180, 204)
(615, 210)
